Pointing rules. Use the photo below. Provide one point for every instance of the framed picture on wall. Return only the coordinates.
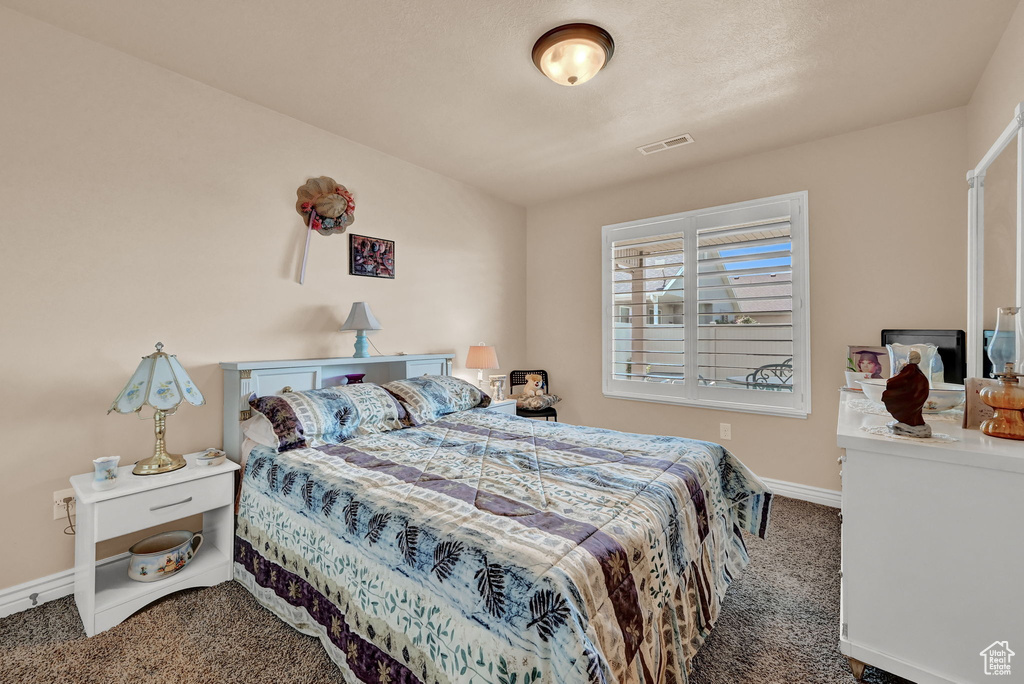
(370, 256)
(874, 360)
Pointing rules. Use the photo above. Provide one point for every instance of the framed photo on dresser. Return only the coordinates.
(873, 360)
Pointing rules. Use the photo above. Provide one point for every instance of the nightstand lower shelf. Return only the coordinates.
(117, 596)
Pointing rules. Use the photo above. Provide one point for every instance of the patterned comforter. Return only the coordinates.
(488, 548)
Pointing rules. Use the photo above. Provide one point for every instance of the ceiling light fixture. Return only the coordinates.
(573, 53)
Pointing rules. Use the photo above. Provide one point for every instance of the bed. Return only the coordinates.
(483, 547)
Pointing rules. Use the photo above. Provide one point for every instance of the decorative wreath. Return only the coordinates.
(325, 206)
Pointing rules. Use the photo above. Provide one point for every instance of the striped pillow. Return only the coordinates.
(429, 397)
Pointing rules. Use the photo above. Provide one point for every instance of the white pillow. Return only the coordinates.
(260, 430)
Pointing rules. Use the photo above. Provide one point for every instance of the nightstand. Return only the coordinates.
(504, 406)
(104, 594)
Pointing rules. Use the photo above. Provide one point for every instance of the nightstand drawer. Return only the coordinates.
(504, 406)
(126, 514)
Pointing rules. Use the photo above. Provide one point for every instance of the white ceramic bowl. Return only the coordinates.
(942, 396)
(162, 555)
(873, 388)
(853, 376)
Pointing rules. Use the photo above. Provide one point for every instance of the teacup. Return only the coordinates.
(105, 472)
(162, 555)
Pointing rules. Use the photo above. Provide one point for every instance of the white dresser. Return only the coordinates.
(933, 550)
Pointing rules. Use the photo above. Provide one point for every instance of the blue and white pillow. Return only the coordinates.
(429, 397)
(314, 418)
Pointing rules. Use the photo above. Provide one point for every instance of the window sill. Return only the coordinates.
(739, 407)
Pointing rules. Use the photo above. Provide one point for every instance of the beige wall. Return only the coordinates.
(137, 205)
(990, 110)
(999, 90)
(886, 227)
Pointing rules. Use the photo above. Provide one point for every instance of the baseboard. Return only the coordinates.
(792, 490)
(891, 664)
(39, 591)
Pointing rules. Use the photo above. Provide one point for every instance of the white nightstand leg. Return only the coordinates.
(85, 565)
(219, 530)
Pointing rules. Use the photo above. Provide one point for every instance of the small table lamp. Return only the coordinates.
(361, 319)
(162, 383)
(481, 357)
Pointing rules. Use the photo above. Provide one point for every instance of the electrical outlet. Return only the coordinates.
(58, 503)
(725, 430)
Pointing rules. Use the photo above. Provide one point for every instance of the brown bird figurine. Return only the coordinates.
(904, 396)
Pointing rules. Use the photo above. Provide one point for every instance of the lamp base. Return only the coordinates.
(362, 346)
(162, 463)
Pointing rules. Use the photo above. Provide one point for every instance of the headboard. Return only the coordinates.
(243, 379)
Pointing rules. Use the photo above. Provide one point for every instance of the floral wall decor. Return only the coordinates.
(326, 207)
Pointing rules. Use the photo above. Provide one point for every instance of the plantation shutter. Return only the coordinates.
(648, 340)
(745, 304)
(709, 308)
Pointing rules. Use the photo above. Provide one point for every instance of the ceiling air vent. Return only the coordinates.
(666, 144)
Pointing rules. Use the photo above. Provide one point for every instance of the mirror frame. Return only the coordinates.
(976, 241)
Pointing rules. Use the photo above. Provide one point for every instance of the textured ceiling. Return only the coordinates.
(449, 84)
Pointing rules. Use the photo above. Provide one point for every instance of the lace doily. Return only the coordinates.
(955, 415)
(883, 431)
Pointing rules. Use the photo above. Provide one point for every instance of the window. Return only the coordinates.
(709, 308)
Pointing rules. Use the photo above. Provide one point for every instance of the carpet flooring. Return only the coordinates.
(779, 624)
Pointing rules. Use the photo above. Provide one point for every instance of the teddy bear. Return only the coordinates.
(533, 396)
(534, 386)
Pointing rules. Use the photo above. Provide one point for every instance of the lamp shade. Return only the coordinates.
(481, 356)
(573, 54)
(361, 318)
(159, 381)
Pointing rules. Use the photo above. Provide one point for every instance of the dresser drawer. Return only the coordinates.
(146, 509)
